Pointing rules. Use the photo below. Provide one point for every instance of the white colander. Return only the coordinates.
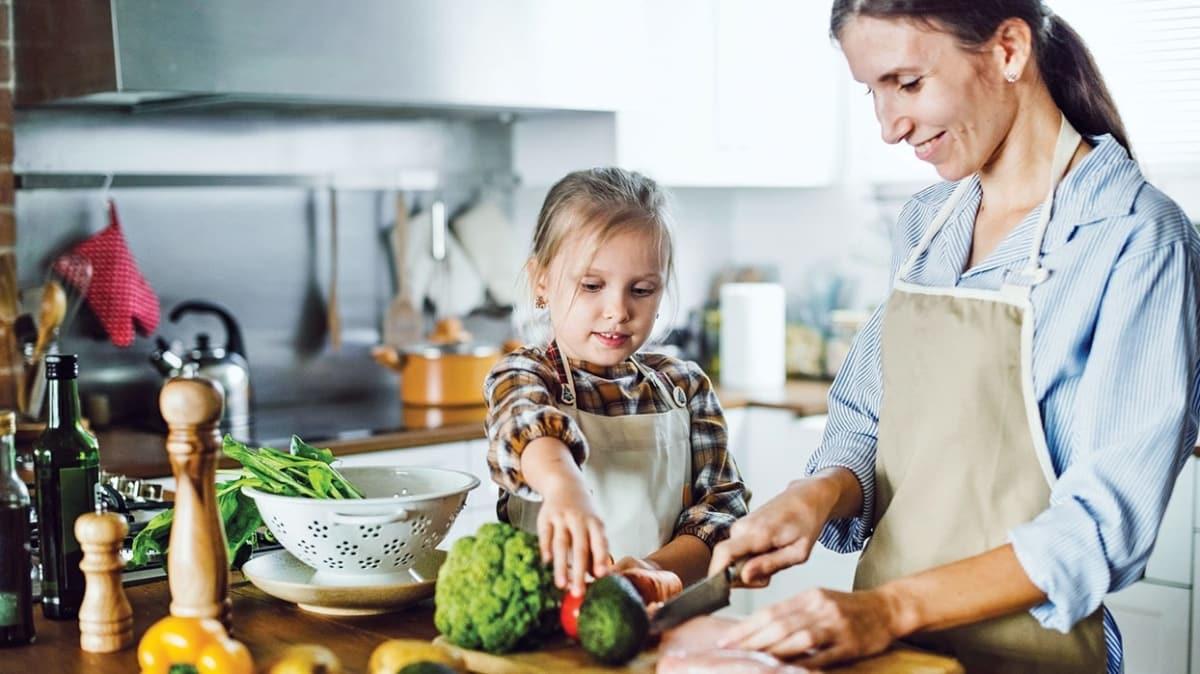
(406, 513)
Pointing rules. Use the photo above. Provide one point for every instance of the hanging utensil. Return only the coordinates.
(402, 325)
(437, 240)
(333, 320)
(51, 311)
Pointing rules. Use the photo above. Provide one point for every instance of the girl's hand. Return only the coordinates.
(776, 536)
(570, 532)
(819, 627)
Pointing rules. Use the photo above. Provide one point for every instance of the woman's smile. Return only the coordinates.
(926, 150)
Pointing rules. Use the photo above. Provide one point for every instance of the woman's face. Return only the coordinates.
(952, 106)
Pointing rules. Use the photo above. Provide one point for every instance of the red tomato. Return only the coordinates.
(569, 615)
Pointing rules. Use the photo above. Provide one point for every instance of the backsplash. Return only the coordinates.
(263, 252)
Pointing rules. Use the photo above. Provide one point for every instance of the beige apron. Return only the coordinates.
(638, 469)
(962, 456)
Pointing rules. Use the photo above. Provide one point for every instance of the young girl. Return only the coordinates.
(599, 449)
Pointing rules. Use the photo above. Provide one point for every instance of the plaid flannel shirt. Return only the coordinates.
(524, 387)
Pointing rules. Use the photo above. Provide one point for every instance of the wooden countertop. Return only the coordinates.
(142, 454)
(267, 626)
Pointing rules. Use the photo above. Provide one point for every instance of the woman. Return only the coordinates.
(1007, 430)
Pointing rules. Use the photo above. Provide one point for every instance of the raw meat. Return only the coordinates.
(688, 649)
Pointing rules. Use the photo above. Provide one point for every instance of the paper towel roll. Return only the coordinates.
(753, 337)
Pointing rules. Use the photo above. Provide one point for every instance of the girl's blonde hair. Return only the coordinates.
(597, 203)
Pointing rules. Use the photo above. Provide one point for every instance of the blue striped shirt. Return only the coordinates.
(1115, 369)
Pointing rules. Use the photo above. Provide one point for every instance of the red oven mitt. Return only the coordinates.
(117, 292)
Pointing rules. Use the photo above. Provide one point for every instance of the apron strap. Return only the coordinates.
(934, 227)
(674, 396)
(567, 392)
(1068, 141)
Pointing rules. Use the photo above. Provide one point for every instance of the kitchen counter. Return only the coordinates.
(142, 454)
(267, 626)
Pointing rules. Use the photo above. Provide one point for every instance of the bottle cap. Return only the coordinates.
(62, 366)
(8, 422)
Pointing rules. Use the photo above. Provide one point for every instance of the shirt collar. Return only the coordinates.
(1104, 185)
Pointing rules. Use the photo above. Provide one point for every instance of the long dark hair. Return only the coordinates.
(1064, 60)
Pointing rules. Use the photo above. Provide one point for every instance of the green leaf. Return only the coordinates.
(303, 449)
(322, 481)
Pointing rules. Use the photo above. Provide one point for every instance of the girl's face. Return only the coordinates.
(952, 106)
(603, 306)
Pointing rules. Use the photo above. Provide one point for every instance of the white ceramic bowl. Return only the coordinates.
(406, 513)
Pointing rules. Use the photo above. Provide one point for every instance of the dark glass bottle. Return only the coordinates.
(16, 585)
(67, 460)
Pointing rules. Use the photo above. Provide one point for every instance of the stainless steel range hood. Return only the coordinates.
(468, 54)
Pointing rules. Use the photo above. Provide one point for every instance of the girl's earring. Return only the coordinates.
(539, 302)
(1010, 77)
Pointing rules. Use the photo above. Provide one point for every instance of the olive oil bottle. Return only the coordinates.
(67, 465)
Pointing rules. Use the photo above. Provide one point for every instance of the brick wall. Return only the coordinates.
(10, 361)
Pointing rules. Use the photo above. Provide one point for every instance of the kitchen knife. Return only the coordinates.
(698, 599)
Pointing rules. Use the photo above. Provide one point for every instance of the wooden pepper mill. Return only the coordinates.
(105, 617)
(197, 564)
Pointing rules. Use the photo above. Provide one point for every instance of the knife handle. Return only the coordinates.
(733, 572)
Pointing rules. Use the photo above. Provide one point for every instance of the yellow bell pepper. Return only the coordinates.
(198, 645)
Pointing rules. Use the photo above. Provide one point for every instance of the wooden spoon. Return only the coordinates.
(50, 316)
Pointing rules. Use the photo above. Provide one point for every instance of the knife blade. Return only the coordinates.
(698, 599)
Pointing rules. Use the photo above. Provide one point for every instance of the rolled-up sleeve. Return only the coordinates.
(718, 493)
(1135, 422)
(521, 409)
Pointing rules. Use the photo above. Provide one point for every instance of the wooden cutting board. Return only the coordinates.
(566, 657)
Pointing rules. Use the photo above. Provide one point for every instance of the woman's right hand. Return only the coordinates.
(780, 534)
(571, 534)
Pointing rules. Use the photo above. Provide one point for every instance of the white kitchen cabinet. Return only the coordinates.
(1155, 623)
(738, 94)
(775, 446)
(1195, 639)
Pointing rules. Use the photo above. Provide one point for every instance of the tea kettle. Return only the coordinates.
(225, 365)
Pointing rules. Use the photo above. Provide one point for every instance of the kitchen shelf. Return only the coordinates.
(402, 179)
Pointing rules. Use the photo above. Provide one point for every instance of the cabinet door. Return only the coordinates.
(778, 445)
(1154, 621)
(745, 96)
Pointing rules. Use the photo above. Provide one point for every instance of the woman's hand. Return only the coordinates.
(782, 532)
(819, 627)
(654, 583)
(570, 533)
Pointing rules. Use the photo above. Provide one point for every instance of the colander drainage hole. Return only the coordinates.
(318, 529)
(368, 563)
(404, 560)
(346, 548)
(369, 531)
(334, 563)
(279, 526)
(392, 547)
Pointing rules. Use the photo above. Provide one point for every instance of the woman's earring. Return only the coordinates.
(1010, 77)
(539, 302)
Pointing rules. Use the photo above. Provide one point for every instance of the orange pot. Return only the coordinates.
(440, 374)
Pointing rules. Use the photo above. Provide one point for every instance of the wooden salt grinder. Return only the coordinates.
(197, 564)
(105, 617)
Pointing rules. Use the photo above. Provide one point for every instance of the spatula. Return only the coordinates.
(402, 325)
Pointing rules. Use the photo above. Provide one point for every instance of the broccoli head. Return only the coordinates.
(494, 593)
